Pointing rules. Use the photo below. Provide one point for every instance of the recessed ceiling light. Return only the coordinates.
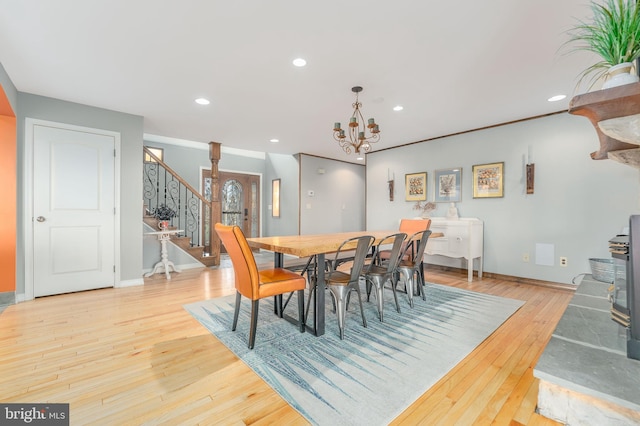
(360, 158)
(398, 108)
(556, 98)
(299, 62)
(274, 140)
(202, 101)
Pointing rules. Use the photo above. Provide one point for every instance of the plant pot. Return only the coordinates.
(619, 75)
(163, 224)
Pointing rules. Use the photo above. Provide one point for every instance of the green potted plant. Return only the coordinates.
(614, 35)
(164, 214)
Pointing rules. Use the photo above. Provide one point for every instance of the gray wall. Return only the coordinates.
(338, 201)
(188, 160)
(130, 128)
(9, 89)
(578, 204)
(286, 168)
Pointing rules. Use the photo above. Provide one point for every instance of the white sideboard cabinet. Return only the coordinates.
(463, 238)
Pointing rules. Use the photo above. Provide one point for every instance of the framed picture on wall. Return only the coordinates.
(448, 185)
(275, 198)
(415, 186)
(488, 180)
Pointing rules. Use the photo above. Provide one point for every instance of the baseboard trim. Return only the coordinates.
(510, 278)
(130, 283)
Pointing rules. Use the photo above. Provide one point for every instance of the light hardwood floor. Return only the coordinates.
(133, 356)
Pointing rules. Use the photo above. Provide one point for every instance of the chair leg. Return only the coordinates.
(254, 322)
(407, 277)
(421, 280)
(236, 312)
(364, 320)
(339, 296)
(301, 316)
(379, 287)
(409, 284)
(394, 284)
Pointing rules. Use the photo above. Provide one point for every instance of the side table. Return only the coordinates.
(164, 264)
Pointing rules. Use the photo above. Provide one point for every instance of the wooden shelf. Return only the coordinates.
(621, 101)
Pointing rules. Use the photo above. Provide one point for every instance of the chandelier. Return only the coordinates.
(357, 128)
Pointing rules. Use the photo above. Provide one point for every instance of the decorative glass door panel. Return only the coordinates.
(232, 200)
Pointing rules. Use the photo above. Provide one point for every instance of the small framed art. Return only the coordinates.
(275, 198)
(488, 180)
(448, 185)
(415, 186)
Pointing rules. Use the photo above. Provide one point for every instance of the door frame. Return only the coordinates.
(28, 188)
(243, 172)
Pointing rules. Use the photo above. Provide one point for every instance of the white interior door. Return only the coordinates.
(73, 209)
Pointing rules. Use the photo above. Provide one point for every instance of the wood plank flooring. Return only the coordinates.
(132, 356)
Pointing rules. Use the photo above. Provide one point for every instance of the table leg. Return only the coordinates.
(278, 262)
(318, 312)
(164, 263)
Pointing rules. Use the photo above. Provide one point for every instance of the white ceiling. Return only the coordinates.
(453, 65)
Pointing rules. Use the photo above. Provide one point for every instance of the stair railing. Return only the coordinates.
(162, 185)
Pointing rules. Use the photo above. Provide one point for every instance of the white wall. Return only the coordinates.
(578, 204)
(338, 201)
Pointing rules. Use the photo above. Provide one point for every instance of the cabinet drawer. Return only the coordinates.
(437, 245)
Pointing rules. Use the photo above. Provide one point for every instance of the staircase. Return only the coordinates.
(197, 252)
(163, 186)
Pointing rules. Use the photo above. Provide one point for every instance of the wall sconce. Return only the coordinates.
(530, 170)
(275, 198)
(390, 182)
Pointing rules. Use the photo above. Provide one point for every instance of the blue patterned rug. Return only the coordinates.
(376, 372)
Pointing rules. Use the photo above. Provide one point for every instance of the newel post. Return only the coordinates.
(215, 207)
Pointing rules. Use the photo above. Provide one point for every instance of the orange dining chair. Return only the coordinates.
(409, 227)
(254, 284)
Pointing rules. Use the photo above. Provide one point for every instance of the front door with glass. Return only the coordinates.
(239, 200)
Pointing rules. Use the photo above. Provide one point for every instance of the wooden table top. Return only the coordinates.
(309, 245)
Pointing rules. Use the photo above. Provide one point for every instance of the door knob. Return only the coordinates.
(41, 219)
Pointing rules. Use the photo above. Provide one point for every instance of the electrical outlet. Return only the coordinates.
(525, 257)
(563, 261)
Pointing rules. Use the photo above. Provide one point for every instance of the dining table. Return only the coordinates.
(318, 245)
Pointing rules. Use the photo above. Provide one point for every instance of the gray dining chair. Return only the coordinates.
(408, 269)
(341, 284)
(381, 271)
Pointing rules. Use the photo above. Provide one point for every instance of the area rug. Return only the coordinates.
(375, 373)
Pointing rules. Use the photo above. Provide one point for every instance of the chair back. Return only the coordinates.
(411, 226)
(363, 246)
(247, 279)
(395, 254)
(423, 237)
